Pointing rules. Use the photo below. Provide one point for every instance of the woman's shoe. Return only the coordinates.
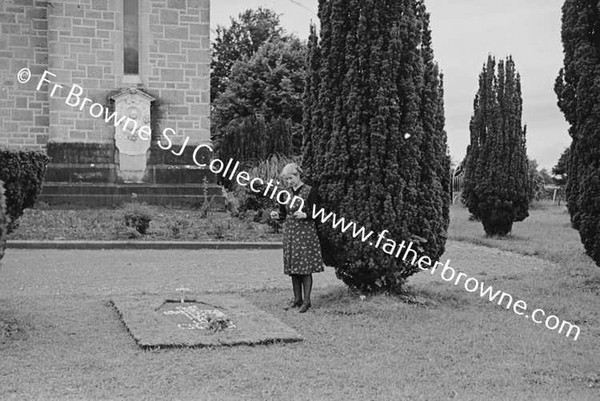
(293, 304)
(304, 307)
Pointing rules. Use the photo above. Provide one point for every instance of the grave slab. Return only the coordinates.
(201, 320)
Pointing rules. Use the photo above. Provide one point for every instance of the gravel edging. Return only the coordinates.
(192, 245)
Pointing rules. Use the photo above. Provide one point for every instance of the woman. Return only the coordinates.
(301, 248)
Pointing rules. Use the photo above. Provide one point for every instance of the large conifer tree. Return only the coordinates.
(374, 139)
(496, 183)
(578, 90)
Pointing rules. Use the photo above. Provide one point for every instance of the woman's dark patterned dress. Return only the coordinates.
(301, 247)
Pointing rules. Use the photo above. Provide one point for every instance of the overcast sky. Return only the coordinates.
(464, 32)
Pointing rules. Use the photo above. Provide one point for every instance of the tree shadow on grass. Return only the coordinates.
(346, 302)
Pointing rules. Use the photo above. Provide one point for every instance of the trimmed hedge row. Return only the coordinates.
(23, 174)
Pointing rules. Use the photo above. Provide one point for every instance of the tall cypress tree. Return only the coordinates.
(496, 183)
(374, 139)
(578, 90)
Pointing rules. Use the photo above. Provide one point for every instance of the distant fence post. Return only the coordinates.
(457, 181)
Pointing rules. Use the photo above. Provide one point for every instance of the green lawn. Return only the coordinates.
(449, 345)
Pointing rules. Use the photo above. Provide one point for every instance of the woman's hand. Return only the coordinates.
(300, 215)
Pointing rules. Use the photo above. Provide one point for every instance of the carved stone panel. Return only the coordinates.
(132, 135)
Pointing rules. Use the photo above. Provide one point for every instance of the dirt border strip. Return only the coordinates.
(85, 245)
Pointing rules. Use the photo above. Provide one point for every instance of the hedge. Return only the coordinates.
(23, 174)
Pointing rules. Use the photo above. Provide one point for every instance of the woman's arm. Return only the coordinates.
(282, 212)
(313, 200)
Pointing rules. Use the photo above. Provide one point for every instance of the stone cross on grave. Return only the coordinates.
(182, 291)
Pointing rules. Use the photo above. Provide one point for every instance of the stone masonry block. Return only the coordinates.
(23, 2)
(6, 18)
(176, 32)
(78, 49)
(169, 46)
(171, 75)
(179, 4)
(100, 4)
(105, 25)
(41, 25)
(11, 28)
(74, 10)
(40, 42)
(86, 58)
(22, 115)
(201, 4)
(21, 103)
(84, 31)
(42, 121)
(172, 96)
(169, 17)
(18, 40)
(94, 72)
(36, 13)
(205, 16)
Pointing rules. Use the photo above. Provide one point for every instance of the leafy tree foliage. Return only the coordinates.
(560, 170)
(536, 181)
(497, 183)
(241, 40)
(374, 139)
(260, 112)
(578, 90)
(546, 177)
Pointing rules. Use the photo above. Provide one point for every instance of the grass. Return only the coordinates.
(448, 345)
(546, 234)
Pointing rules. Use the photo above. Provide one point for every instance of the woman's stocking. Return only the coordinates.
(297, 285)
(307, 284)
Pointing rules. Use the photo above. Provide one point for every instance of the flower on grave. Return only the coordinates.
(213, 320)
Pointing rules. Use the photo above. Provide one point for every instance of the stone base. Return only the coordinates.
(132, 168)
(69, 195)
(156, 322)
(102, 163)
(90, 174)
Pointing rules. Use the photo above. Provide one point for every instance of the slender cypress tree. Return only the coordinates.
(496, 178)
(374, 139)
(578, 90)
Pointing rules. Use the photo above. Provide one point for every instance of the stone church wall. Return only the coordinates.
(81, 42)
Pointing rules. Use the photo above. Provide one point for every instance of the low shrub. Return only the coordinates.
(3, 221)
(206, 206)
(23, 175)
(138, 217)
(232, 203)
(218, 229)
(178, 226)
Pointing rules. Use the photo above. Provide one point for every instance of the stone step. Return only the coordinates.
(67, 195)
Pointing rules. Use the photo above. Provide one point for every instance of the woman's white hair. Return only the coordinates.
(291, 168)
